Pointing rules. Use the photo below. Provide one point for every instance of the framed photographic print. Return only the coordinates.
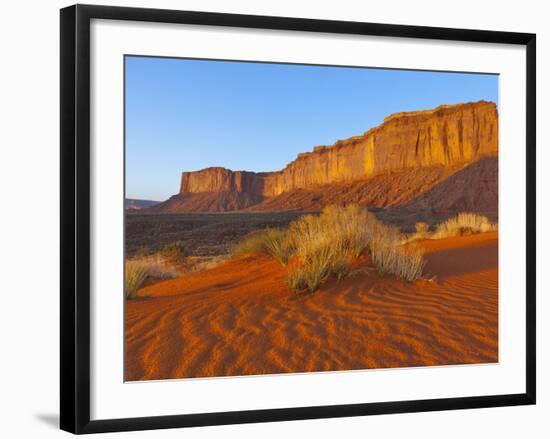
(268, 218)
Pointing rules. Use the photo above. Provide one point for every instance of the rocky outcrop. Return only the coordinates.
(447, 137)
(379, 191)
(221, 180)
(471, 189)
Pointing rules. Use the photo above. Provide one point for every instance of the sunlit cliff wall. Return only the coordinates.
(446, 135)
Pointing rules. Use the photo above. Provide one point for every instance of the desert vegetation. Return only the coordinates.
(275, 242)
(169, 262)
(140, 270)
(135, 274)
(315, 248)
(173, 252)
(465, 223)
(324, 246)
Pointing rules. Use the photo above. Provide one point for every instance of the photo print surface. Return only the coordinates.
(287, 218)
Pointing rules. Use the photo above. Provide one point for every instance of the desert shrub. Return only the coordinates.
(340, 268)
(390, 256)
(464, 224)
(202, 263)
(274, 242)
(344, 230)
(134, 276)
(422, 228)
(279, 245)
(422, 231)
(138, 270)
(312, 273)
(394, 259)
(252, 243)
(323, 246)
(174, 252)
(326, 243)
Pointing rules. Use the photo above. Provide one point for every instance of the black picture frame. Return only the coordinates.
(75, 217)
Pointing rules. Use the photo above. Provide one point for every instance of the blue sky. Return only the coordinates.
(185, 115)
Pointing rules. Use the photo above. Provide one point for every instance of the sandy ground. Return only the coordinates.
(240, 318)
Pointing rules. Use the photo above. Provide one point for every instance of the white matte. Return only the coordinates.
(111, 398)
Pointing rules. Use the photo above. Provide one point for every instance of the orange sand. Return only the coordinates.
(240, 318)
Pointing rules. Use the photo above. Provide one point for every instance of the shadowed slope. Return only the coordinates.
(378, 191)
(472, 189)
(206, 202)
(436, 192)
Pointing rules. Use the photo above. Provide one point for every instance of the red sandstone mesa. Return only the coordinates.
(440, 142)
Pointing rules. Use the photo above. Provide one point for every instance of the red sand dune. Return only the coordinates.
(241, 319)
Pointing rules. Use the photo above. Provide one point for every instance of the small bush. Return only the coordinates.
(323, 245)
(138, 270)
(404, 263)
(274, 242)
(134, 276)
(279, 245)
(422, 229)
(173, 252)
(345, 230)
(389, 256)
(253, 243)
(314, 272)
(340, 268)
(464, 224)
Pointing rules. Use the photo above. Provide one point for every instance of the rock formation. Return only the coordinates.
(221, 180)
(443, 139)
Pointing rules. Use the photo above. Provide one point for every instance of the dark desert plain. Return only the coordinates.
(379, 251)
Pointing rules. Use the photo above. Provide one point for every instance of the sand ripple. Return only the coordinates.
(241, 319)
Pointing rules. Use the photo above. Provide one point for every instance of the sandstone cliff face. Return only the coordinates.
(221, 180)
(445, 136)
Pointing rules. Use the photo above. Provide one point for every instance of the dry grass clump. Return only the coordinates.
(345, 230)
(422, 229)
(135, 274)
(324, 245)
(274, 242)
(138, 270)
(203, 263)
(464, 224)
(310, 274)
(173, 252)
(391, 257)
